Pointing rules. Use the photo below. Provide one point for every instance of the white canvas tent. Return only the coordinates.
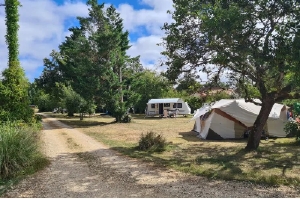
(230, 118)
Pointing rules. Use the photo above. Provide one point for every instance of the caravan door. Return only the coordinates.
(161, 108)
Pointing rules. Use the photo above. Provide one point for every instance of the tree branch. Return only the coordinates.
(285, 93)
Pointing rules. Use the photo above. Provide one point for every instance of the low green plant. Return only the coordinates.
(152, 142)
(126, 118)
(38, 118)
(292, 129)
(19, 148)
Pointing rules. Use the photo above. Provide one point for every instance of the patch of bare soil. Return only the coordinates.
(82, 167)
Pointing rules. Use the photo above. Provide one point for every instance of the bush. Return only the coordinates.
(126, 118)
(18, 113)
(291, 128)
(18, 148)
(152, 142)
(38, 118)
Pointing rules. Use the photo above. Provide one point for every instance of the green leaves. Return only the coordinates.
(14, 98)
(146, 85)
(12, 19)
(256, 41)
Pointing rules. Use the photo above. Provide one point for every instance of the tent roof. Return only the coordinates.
(165, 100)
(238, 108)
(231, 105)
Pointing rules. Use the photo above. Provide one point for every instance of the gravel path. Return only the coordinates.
(82, 167)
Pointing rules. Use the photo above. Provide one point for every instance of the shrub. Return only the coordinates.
(152, 142)
(126, 118)
(38, 118)
(18, 148)
(292, 130)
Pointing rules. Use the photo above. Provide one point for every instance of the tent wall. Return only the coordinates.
(222, 126)
(238, 110)
(226, 126)
(239, 130)
(276, 126)
(197, 126)
(213, 135)
(229, 117)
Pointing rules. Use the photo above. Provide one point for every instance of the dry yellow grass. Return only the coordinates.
(176, 130)
(276, 162)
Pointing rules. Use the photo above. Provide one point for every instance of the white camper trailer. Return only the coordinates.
(171, 105)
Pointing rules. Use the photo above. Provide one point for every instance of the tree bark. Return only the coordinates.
(120, 89)
(260, 122)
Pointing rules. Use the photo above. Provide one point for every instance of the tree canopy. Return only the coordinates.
(93, 63)
(251, 42)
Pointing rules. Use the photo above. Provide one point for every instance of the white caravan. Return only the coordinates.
(158, 106)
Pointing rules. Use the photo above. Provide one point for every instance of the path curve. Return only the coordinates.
(82, 167)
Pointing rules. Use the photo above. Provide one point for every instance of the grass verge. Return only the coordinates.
(19, 153)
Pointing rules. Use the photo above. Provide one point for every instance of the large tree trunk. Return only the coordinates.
(260, 122)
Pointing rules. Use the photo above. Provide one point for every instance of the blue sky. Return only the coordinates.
(45, 23)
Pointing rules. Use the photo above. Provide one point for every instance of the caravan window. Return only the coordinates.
(177, 105)
(166, 104)
(152, 105)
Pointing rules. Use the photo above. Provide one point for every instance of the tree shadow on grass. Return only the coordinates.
(189, 136)
(84, 124)
(225, 166)
(229, 163)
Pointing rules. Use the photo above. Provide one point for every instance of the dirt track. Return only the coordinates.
(82, 167)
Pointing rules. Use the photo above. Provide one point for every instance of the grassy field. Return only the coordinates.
(276, 162)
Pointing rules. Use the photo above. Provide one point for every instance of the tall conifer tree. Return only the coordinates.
(14, 86)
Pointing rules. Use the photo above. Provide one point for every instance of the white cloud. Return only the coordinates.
(159, 5)
(148, 23)
(42, 28)
(147, 48)
(151, 19)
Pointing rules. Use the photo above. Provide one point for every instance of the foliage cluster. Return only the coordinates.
(292, 129)
(126, 118)
(19, 148)
(152, 142)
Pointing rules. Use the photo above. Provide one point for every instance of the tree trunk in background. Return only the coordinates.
(120, 89)
(260, 122)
